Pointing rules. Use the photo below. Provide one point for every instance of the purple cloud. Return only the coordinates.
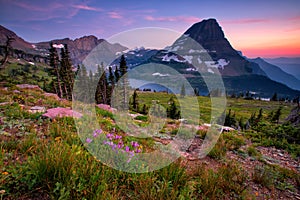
(188, 19)
(244, 21)
(85, 7)
(115, 15)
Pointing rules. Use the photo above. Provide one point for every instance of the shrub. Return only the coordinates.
(229, 178)
(252, 151)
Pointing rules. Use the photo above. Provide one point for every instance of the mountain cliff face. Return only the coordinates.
(18, 42)
(79, 48)
(210, 35)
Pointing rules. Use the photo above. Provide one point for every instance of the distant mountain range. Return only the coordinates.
(289, 65)
(203, 45)
(277, 74)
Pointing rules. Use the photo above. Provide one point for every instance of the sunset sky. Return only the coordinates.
(257, 28)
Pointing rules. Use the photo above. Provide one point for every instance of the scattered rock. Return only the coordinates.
(4, 103)
(16, 91)
(294, 117)
(106, 107)
(28, 86)
(55, 96)
(37, 109)
(61, 112)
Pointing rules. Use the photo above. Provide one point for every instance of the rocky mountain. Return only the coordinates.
(38, 52)
(277, 74)
(18, 42)
(203, 46)
(81, 47)
(210, 35)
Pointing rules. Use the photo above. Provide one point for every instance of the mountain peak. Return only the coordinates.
(208, 29)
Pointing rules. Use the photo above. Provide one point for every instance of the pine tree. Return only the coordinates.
(124, 85)
(172, 111)
(277, 115)
(182, 91)
(111, 77)
(102, 87)
(260, 115)
(66, 72)
(135, 101)
(54, 63)
(83, 83)
(7, 50)
(117, 75)
(274, 97)
(230, 119)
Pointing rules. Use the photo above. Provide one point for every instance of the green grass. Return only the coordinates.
(39, 157)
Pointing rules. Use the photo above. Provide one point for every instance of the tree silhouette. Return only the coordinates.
(7, 50)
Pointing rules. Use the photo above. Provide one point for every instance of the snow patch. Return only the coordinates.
(188, 58)
(222, 63)
(32, 63)
(210, 71)
(159, 74)
(58, 46)
(33, 46)
(191, 69)
(199, 60)
(167, 58)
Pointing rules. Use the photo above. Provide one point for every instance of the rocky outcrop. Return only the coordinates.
(294, 117)
(53, 113)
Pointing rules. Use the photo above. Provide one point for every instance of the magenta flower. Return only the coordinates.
(138, 151)
(127, 149)
(88, 140)
(134, 144)
(110, 136)
(120, 144)
(97, 132)
(117, 137)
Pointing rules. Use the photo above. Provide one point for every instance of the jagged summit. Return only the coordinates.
(206, 30)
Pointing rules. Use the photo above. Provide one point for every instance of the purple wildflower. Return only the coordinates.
(138, 151)
(97, 132)
(88, 140)
(110, 136)
(127, 149)
(134, 144)
(120, 144)
(117, 137)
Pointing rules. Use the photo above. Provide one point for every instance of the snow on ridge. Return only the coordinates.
(188, 58)
(191, 69)
(58, 46)
(168, 58)
(221, 63)
(210, 71)
(199, 60)
(159, 74)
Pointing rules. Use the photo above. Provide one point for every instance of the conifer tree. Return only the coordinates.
(124, 85)
(66, 72)
(135, 101)
(182, 91)
(54, 63)
(117, 75)
(102, 87)
(7, 50)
